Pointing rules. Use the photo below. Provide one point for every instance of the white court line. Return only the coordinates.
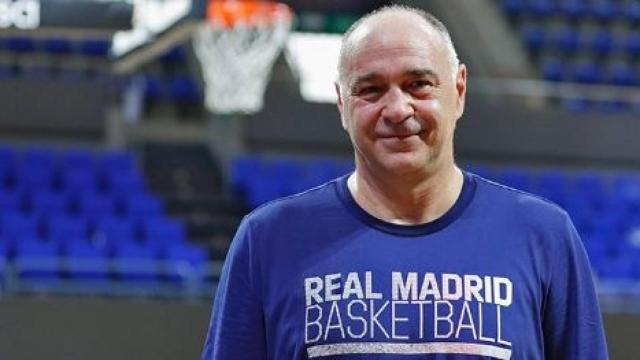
(407, 349)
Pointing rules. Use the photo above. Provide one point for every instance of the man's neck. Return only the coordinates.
(405, 200)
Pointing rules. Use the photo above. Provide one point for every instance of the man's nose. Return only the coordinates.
(398, 105)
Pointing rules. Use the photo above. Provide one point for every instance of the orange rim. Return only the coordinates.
(232, 12)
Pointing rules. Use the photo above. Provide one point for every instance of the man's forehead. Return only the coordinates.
(392, 29)
(388, 35)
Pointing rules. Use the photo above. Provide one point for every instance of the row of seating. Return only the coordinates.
(178, 88)
(81, 202)
(565, 44)
(571, 40)
(39, 169)
(590, 72)
(78, 230)
(58, 45)
(600, 10)
(261, 180)
(605, 207)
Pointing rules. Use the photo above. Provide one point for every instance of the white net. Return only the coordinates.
(236, 62)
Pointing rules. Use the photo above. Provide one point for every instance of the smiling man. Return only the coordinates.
(409, 256)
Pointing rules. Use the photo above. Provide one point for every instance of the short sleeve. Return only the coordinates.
(572, 322)
(236, 329)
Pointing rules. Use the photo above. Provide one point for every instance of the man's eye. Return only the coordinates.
(419, 84)
(368, 90)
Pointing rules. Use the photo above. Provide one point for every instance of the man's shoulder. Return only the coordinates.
(520, 203)
(302, 204)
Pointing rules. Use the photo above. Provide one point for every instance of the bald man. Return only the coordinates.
(409, 256)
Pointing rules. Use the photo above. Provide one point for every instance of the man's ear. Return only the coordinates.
(461, 89)
(340, 105)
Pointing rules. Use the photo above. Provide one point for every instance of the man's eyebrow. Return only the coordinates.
(422, 73)
(364, 78)
(412, 72)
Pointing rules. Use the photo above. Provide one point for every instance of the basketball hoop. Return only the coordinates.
(237, 47)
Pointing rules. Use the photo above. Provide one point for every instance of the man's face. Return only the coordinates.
(399, 99)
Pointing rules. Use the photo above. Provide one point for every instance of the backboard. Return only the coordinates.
(65, 16)
(157, 26)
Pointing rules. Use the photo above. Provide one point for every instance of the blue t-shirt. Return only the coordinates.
(501, 275)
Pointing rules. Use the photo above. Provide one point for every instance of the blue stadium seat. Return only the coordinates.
(154, 87)
(34, 177)
(534, 37)
(587, 72)
(123, 182)
(39, 156)
(46, 202)
(554, 69)
(175, 55)
(64, 229)
(79, 180)
(242, 170)
(95, 205)
(86, 261)
(16, 226)
(57, 45)
(577, 104)
(95, 47)
(623, 74)
(632, 43)
(136, 262)
(263, 189)
(183, 262)
(515, 178)
(604, 10)
(541, 8)
(602, 42)
(615, 267)
(111, 231)
(162, 230)
(566, 40)
(117, 161)
(591, 186)
(553, 185)
(38, 262)
(20, 44)
(514, 8)
(11, 201)
(77, 158)
(182, 88)
(573, 9)
(613, 106)
(631, 11)
(7, 156)
(143, 205)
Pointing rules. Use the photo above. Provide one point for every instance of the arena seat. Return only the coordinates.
(37, 262)
(136, 262)
(534, 37)
(95, 204)
(142, 205)
(565, 40)
(57, 45)
(80, 180)
(44, 203)
(86, 261)
(20, 44)
(65, 228)
(95, 47)
(161, 230)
